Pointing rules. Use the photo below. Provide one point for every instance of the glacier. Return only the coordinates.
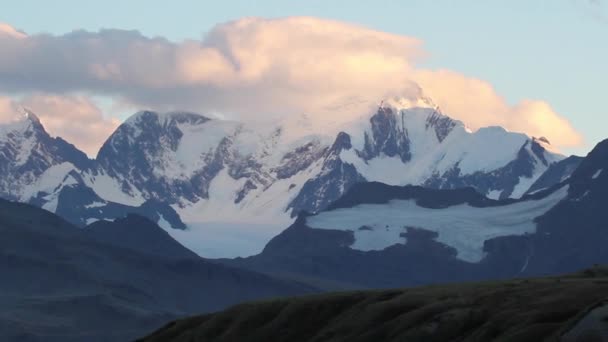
(463, 227)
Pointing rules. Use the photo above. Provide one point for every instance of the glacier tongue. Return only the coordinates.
(464, 227)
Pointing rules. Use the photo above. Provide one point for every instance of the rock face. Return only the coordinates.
(113, 281)
(556, 173)
(378, 235)
(173, 165)
(81, 206)
(143, 152)
(387, 137)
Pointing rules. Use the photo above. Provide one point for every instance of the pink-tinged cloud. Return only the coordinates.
(7, 110)
(8, 30)
(256, 69)
(74, 118)
(476, 103)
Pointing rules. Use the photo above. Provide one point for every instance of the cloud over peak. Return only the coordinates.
(256, 68)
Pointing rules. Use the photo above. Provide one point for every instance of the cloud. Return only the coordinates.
(8, 30)
(256, 69)
(291, 64)
(476, 103)
(8, 110)
(74, 118)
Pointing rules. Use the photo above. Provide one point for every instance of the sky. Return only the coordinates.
(534, 66)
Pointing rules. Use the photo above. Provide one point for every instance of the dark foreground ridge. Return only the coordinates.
(553, 309)
(111, 281)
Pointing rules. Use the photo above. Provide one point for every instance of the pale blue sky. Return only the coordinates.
(555, 51)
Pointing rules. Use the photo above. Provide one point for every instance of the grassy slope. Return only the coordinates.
(515, 310)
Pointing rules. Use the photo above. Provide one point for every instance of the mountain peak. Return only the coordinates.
(399, 103)
(544, 143)
(420, 106)
(415, 115)
(28, 115)
(164, 118)
(24, 122)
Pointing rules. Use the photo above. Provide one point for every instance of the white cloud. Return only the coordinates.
(476, 103)
(257, 68)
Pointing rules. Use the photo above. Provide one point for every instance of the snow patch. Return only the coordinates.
(51, 204)
(597, 174)
(110, 190)
(164, 224)
(48, 181)
(580, 198)
(494, 194)
(91, 220)
(95, 205)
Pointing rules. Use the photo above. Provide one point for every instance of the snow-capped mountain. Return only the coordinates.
(378, 235)
(404, 144)
(223, 171)
(53, 174)
(182, 157)
(27, 151)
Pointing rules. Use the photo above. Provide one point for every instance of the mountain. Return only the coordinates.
(574, 233)
(380, 236)
(182, 168)
(27, 151)
(112, 281)
(556, 173)
(139, 234)
(566, 308)
(180, 157)
(53, 174)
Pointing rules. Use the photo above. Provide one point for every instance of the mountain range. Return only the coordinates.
(382, 236)
(402, 196)
(182, 169)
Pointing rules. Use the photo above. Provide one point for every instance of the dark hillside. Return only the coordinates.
(515, 310)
